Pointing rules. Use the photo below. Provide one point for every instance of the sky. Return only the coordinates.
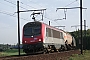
(9, 21)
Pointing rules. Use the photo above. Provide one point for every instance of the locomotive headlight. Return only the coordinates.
(25, 41)
(39, 39)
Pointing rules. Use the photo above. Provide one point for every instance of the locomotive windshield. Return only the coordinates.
(32, 30)
(36, 30)
(28, 31)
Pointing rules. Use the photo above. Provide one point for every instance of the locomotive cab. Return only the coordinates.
(32, 37)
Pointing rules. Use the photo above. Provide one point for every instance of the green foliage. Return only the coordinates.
(86, 39)
(10, 52)
(77, 33)
(85, 56)
(88, 32)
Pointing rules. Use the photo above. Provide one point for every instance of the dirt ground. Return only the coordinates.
(52, 56)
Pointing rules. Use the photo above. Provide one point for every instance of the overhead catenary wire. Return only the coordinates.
(27, 5)
(71, 3)
(3, 12)
(65, 10)
(23, 8)
(7, 5)
(36, 8)
(35, 3)
(32, 7)
(7, 13)
(12, 14)
(45, 16)
(14, 4)
(10, 2)
(41, 6)
(51, 19)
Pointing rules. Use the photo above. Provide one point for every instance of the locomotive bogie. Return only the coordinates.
(33, 47)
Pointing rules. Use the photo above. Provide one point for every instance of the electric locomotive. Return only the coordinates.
(40, 37)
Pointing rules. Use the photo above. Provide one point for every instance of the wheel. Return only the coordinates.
(45, 51)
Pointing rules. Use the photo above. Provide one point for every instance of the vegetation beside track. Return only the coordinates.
(85, 56)
(10, 52)
(86, 38)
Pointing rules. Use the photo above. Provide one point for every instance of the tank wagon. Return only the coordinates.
(40, 37)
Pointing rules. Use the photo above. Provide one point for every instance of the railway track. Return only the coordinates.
(51, 56)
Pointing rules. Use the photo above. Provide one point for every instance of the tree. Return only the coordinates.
(86, 40)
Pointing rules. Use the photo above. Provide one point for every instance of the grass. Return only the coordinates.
(85, 56)
(10, 52)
